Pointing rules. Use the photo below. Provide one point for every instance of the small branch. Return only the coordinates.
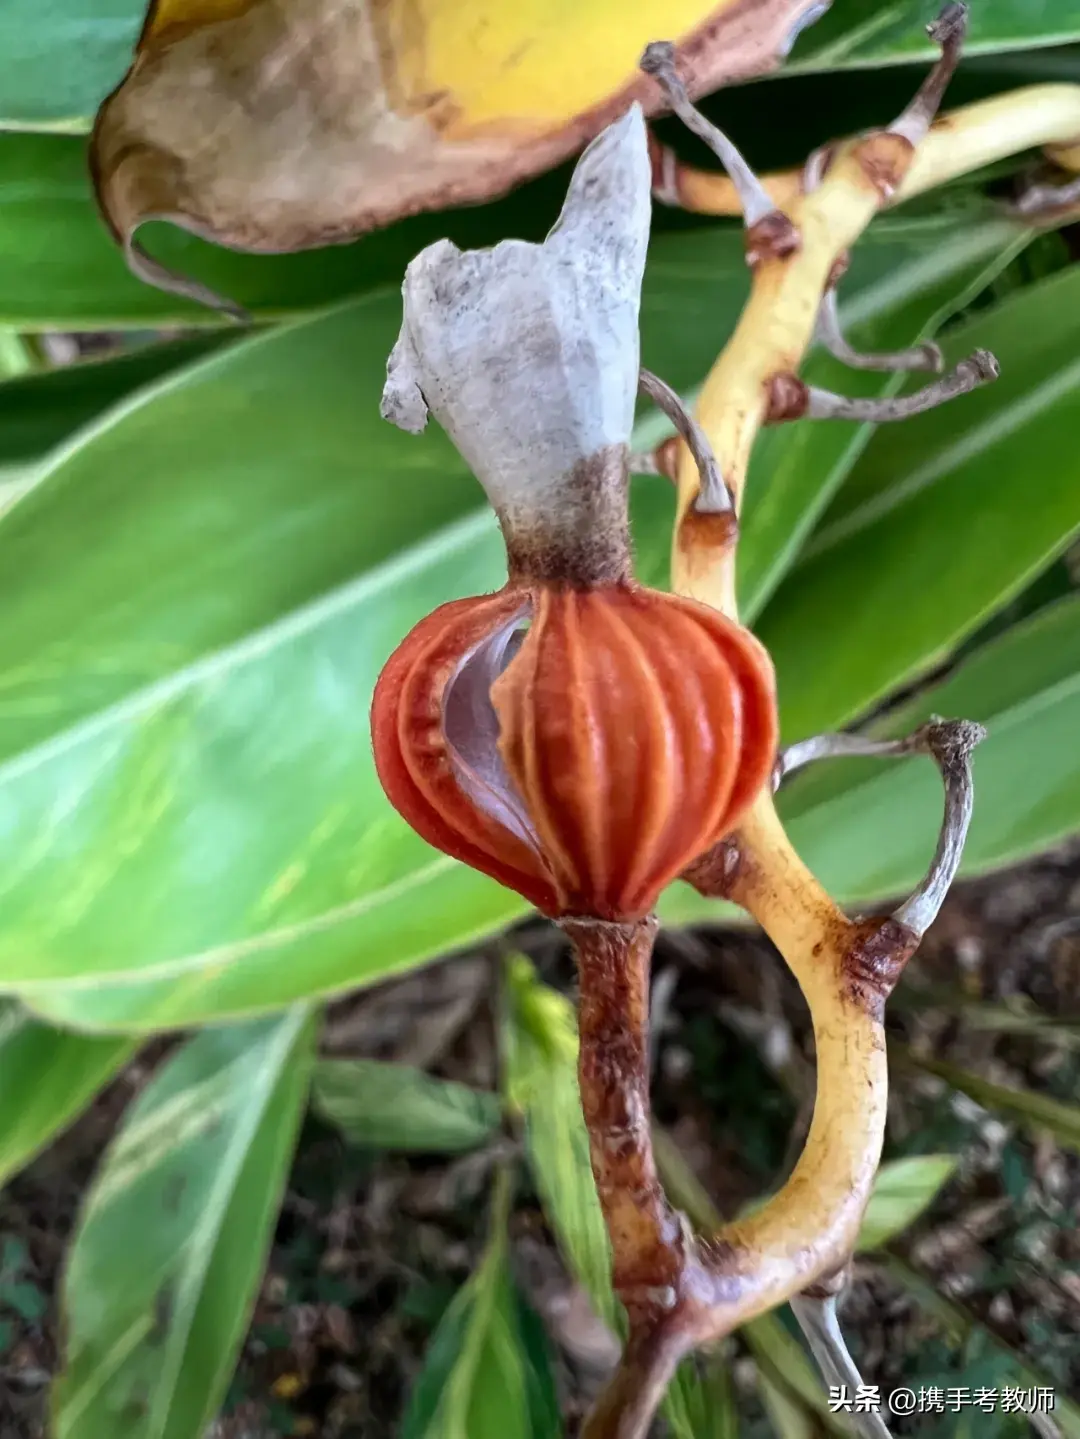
(828, 331)
(948, 31)
(818, 1322)
(1046, 199)
(713, 497)
(950, 743)
(844, 746)
(659, 62)
(979, 369)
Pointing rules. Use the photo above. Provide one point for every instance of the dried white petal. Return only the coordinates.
(528, 354)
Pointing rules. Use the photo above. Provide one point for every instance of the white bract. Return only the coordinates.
(526, 354)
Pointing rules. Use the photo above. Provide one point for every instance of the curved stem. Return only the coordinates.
(831, 335)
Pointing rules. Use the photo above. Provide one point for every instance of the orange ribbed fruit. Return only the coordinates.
(582, 746)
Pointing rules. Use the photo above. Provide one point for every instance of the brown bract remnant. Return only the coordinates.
(276, 125)
(773, 237)
(884, 159)
(713, 873)
(787, 398)
(873, 961)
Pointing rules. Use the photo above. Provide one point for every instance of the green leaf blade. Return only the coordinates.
(903, 1189)
(487, 1373)
(47, 1078)
(165, 1264)
(396, 1106)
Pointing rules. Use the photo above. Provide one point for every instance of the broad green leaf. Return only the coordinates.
(1035, 1111)
(903, 1189)
(487, 1374)
(971, 502)
(797, 468)
(194, 626)
(165, 1265)
(395, 1106)
(39, 411)
(47, 1078)
(867, 33)
(868, 827)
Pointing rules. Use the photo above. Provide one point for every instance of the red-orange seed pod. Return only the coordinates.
(587, 762)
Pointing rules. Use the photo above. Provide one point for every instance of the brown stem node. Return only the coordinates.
(773, 237)
(787, 398)
(874, 961)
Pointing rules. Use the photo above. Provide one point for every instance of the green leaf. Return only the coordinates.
(170, 1247)
(487, 1374)
(701, 1401)
(59, 60)
(84, 284)
(1035, 1111)
(969, 502)
(868, 827)
(866, 33)
(789, 1418)
(902, 1190)
(909, 277)
(39, 411)
(47, 1078)
(394, 1106)
(540, 1045)
(195, 624)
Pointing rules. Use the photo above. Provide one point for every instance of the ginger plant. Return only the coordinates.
(586, 740)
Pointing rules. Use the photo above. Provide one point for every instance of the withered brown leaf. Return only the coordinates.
(279, 125)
